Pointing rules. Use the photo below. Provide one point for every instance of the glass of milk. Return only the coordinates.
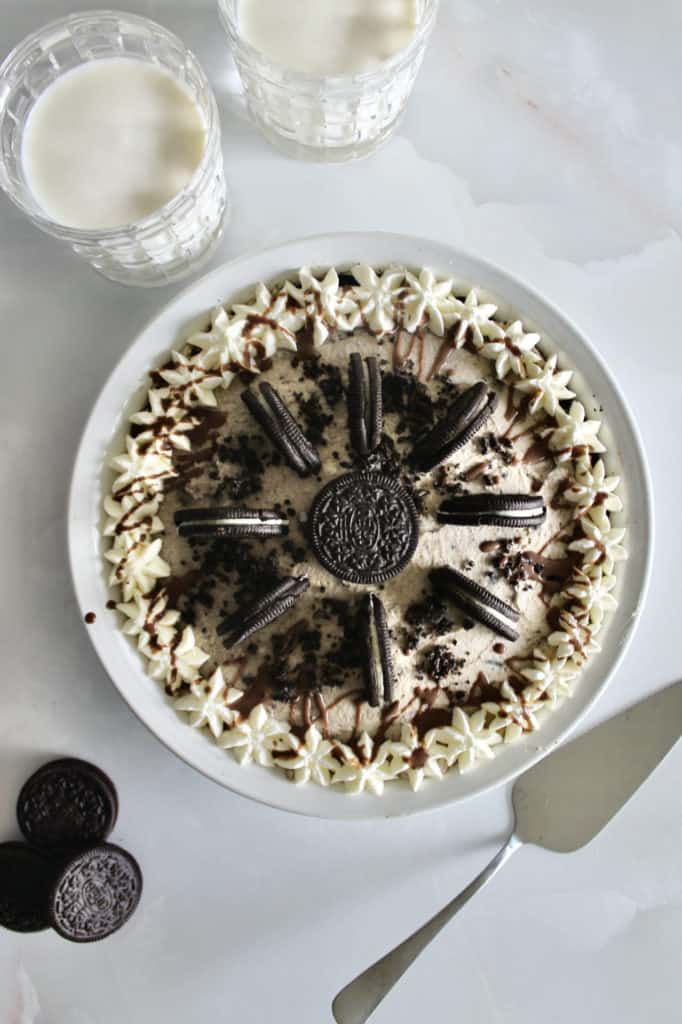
(327, 79)
(110, 141)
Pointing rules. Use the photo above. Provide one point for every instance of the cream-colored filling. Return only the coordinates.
(235, 521)
(439, 545)
(522, 513)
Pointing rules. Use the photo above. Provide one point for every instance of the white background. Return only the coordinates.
(545, 136)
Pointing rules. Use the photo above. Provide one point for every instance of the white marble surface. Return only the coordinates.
(545, 136)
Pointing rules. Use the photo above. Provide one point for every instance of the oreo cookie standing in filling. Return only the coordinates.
(65, 805)
(230, 522)
(26, 879)
(365, 404)
(282, 429)
(477, 602)
(364, 527)
(493, 510)
(464, 418)
(270, 606)
(379, 662)
(95, 893)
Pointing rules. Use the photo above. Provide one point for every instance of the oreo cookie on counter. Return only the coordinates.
(65, 875)
(477, 602)
(95, 893)
(493, 510)
(464, 418)
(66, 805)
(26, 879)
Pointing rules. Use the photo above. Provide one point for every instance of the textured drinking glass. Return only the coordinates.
(168, 243)
(319, 117)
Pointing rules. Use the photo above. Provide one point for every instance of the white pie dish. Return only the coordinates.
(122, 395)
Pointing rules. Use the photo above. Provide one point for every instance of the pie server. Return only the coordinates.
(561, 803)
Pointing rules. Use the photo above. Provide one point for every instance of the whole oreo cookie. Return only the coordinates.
(464, 418)
(95, 893)
(364, 527)
(477, 602)
(379, 662)
(493, 510)
(270, 606)
(66, 805)
(229, 522)
(26, 879)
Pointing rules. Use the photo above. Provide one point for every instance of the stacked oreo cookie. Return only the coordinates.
(464, 418)
(280, 427)
(65, 875)
(365, 404)
(270, 606)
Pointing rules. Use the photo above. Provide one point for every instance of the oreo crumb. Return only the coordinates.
(438, 662)
(426, 618)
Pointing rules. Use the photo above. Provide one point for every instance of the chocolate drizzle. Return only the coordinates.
(129, 519)
(482, 691)
(537, 452)
(210, 423)
(441, 357)
(305, 341)
(258, 691)
(175, 587)
(390, 714)
(428, 716)
(402, 352)
(553, 573)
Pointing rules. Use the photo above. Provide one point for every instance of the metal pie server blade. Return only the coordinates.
(566, 799)
(561, 803)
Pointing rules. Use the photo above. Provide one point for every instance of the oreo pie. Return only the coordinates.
(363, 530)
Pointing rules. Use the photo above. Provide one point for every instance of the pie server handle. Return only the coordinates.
(357, 1001)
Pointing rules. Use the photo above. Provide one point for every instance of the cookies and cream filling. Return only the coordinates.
(438, 545)
(520, 513)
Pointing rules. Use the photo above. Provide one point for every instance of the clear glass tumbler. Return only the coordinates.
(326, 118)
(172, 241)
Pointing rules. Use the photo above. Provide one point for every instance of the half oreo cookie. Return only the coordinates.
(229, 522)
(365, 403)
(95, 893)
(261, 613)
(465, 417)
(477, 602)
(379, 662)
(26, 878)
(493, 510)
(66, 805)
(282, 429)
